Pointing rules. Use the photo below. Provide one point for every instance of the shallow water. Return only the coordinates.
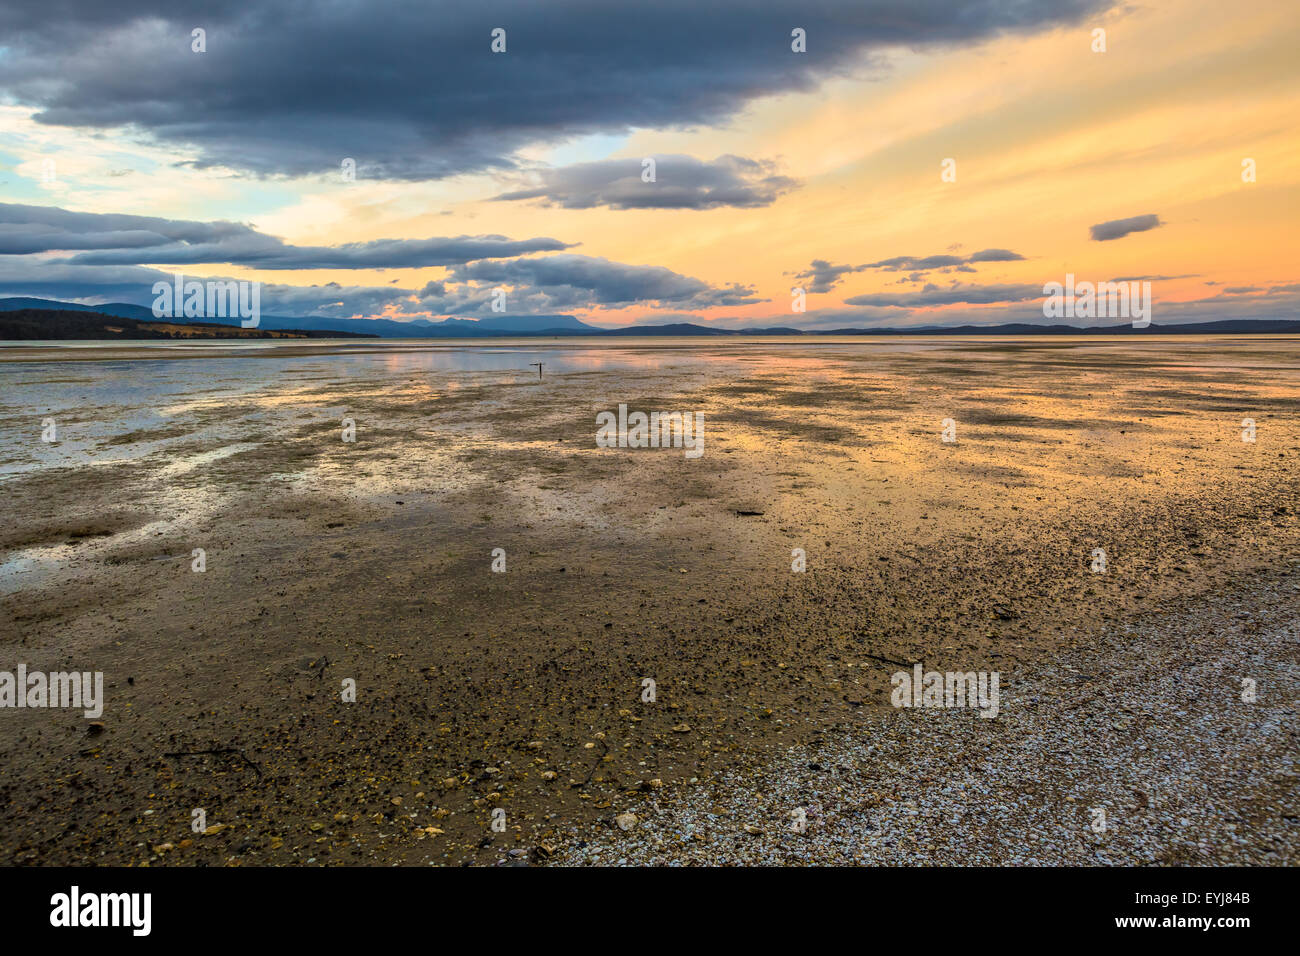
(113, 390)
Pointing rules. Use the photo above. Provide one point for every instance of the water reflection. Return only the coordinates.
(129, 401)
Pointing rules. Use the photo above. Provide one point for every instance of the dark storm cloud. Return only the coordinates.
(1119, 228)
(132, 240)
(412, 91)
(680, 182)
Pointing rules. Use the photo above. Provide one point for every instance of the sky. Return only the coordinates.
(918, 163)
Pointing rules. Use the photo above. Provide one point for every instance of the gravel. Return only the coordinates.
(1146, 723)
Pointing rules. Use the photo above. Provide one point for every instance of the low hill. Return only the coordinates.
(491, 327)
(42, 324)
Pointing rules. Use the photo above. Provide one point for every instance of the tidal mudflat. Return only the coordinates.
(519, 697)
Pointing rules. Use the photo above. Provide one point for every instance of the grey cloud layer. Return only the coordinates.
(1119, 228)
(603, 282)
(32, 276)
(680, 182)
(927, 263)
(959, 294)
(543, 285)
(599, 279)
(119, 246)
(412, 91)
(130, 240)
(823, 276)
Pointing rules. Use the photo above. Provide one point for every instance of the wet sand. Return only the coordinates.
(371, 560)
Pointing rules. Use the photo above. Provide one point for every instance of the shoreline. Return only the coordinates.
(371, 560)
(111, 350)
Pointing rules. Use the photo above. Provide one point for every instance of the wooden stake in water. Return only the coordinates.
(539, 369)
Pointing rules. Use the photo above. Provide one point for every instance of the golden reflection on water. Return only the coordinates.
(827, 434)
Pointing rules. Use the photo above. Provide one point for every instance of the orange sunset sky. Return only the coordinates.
(1049, 139)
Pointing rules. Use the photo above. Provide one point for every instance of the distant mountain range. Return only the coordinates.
(552, 326)
(388, 328)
